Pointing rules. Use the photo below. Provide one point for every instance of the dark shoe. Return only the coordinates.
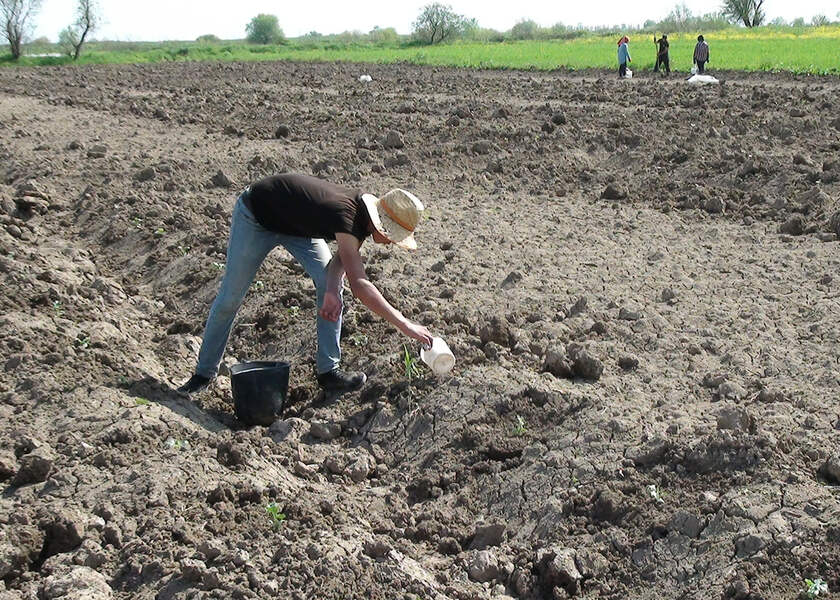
(339, 382)
(197, 383)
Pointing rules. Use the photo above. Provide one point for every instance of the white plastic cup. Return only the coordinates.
(439, 357)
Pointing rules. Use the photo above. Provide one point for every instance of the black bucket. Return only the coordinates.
(260, 389)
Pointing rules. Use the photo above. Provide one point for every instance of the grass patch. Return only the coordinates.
(798, 50)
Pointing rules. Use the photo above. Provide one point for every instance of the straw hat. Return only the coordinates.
(395, 215)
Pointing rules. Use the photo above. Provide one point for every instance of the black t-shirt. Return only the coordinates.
(305, 206)
(663, 46)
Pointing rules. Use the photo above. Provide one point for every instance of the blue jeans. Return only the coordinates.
(248, 246)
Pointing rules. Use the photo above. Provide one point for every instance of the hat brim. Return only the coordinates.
(386, 226)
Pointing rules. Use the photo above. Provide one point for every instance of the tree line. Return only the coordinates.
(18, 15)
(435, 23)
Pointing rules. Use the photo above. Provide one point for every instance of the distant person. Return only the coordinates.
(300, 212)
(662, 54)
(701, 54)
(623, 56)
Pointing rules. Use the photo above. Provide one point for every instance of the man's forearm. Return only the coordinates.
(335, 275)
(370, 296)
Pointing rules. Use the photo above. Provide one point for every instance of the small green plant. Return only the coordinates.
(184, 250)
(519, 428)
(814, 588)
(177, 444)
(58, 309)
(138, 222)
(258, 285)
(83, 341)
(275, 515)
(293, 311)
(359, 339)
(160, 231)
(654, 493)
(218, 266)
(410, 366)
(141, 401)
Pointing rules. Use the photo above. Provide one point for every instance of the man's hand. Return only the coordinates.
(418, 332)
(331, 308)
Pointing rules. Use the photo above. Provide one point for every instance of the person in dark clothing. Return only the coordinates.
(662, 54)
(300, 212)
(701, 54)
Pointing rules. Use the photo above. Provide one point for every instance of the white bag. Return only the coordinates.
(694, 70)
(629, 74)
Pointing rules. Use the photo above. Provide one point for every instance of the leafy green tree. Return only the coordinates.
(73, 37)
(16, 18)
(380, 36)
(208, 38)
(748, 12)
(526, 29)
(438, 22)
(264, 29)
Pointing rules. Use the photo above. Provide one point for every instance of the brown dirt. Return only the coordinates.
(604, 258)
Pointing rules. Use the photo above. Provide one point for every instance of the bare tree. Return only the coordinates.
(748, 12)
(72, 38)
(438, 22)
(16, 15)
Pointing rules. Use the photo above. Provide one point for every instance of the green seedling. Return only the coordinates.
(218, 266)
(410, 365)
(293, 311)
(814, 588)
(274, 514)
(519, 429)
(259, 285)
(160, 231)
(359, 339)
(83, 341)
(58, 309)
(654, 493)
(177, 444)
(141, 402)
(184, 250)
(138, 222)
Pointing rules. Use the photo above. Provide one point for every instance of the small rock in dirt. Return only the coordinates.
(500, 113)
(486, 536)
(628, 314)
(511, 280)
(453, 121)
(834, 223)
(587, 366)
(793, 226)
(220, 179)
(578, 307)
(78, 583)
(830, 470)
(482, 147)
(730, 389)
(193, 569)
(283, 131)
(749, 545)
(146, 174)
(359, 469)
(548, 127)
(591, 563)
(558, 569)
(8, 464)
(393, 140)
(558, 118)
(667, 295)
(736, 418)
(557, 362)
(324, 430)
(686, 523)
(483, 566)
(628, 362)
(400, 159)
(377, 548)
(650, 453)
(75, 145)
(713, 380)
(614, 192)
(97, 151)
(449, 546)
(34, 467)
(714, 205)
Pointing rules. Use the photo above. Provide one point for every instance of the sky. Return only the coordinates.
(156, 20)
